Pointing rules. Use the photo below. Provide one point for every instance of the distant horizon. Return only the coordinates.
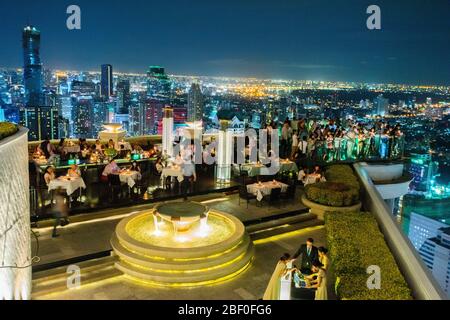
(320, 40)
(236, 77)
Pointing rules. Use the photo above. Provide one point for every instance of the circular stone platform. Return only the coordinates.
(181, 214)
(202, 255)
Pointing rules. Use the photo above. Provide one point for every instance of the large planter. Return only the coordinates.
(15, 248)
(320, 209)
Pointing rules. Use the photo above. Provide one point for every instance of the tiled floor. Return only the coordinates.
(249, 285)
(92, 236)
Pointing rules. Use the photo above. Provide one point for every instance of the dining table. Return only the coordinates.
(172, 171)
(72, 149)
(288, 166)
(129, 177)
(70, 184)
(253, 169)
(262, 189)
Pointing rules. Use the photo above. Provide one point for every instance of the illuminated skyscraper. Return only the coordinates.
(424, 170)
(106, 88)
(435, 252)
(32, 67)
(123, 97)
(42, 122)
(195, 103)
(83, 117)
(158, 84)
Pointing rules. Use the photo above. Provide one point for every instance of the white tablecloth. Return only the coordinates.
(70, 186)
(129, 178)
(72, 149)
(287, 166)
(252, 169)
(264, 189)
(172, 172)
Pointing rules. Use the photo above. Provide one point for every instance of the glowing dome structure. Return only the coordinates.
(112, 131)
(182, 244)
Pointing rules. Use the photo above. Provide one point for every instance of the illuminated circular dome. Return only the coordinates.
(211, 247)
(113, 127)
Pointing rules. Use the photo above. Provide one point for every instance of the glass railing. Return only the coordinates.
(345, 149)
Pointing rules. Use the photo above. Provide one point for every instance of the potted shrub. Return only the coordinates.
(7, 129)
(339, 193)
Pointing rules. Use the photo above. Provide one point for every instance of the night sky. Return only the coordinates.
(318, 40)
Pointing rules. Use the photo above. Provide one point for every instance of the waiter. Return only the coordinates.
(188, 168)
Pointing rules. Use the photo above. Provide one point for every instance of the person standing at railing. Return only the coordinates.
(330, 147)
(351, 140)
(295, 141)
(311, 149)
(398, 138)
(371, 138)
(360, 144)
(286, 133)
(384, 140)
(337, 145)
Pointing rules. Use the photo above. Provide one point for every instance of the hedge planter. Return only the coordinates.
(320, 209)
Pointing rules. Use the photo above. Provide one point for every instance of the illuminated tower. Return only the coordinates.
(106, 89)
(167, 136)
(123, 97)
(32, 67)
(195, 104)
(158, 84)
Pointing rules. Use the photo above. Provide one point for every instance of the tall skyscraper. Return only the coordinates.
(106, 88)
(100, 114)
(42, 122)
(158, 84)
(195, 103)
(435, 252)
(32, 67)
(83, 117)
(123, 97)
(137, 114)
(424, 170)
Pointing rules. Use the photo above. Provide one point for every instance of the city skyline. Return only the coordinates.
(398, 53)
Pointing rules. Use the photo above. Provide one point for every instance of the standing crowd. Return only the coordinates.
(333, 140)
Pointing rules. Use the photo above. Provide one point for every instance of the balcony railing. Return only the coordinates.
(417, 275)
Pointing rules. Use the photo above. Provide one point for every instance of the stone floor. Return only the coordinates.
(91, 233)
(249, 285)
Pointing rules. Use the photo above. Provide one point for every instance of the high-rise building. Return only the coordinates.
(106, 88)
(423, 170)
(136, 118)
(123, 97)
(153, 113)
(100, 113)
(42, 122)
(32, 67)
(195, 103)
(158, 84)
(422, 228)
(435, 252)
(82, 88)
(82, 116)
